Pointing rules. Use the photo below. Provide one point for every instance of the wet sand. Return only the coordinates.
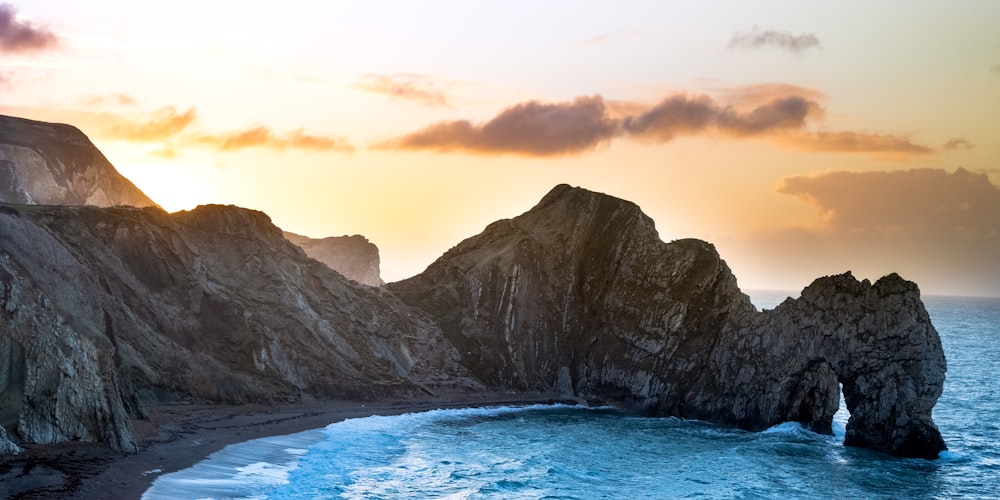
(177, 436)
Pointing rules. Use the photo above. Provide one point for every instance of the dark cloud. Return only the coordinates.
(540, 129)
(957, 143)
(938, 228)
(421, 89)
(163, 124)
(22, 36)
(531, 128)
(264, 137)
(757, 38)
(856, 142)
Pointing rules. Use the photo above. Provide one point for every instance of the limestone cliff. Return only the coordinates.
(53, 164)
(580, 293)
(105, 309)
(353, 256)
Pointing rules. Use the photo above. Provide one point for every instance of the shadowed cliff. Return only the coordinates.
(54, 164)
(103, 310)
(580, 294)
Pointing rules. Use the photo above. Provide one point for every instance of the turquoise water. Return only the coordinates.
(573, 452)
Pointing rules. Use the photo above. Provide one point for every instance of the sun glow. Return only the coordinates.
(175, 186)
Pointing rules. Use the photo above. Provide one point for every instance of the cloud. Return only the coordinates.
(119, 99)
(957, 143)
(762, 93)
(264, 137)
(856, 142)
(584, 124)
(22, 36)
(939, 228)
(164, 123)
(758, 38)
(421, 89)
(530, 128)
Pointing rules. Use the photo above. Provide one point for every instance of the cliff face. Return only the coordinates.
(353, 256)
(102, 310)
(580, 294)
(53, 164)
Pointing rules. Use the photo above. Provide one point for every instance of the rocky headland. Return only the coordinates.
(353, 256)
(580, 294)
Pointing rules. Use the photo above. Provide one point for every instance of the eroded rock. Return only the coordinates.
(582, 283)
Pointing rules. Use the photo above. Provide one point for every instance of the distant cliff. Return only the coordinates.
(580, 294)
(52, 164)
(353, 256)
(104, 310)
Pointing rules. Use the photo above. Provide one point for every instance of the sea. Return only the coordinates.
(561, 451)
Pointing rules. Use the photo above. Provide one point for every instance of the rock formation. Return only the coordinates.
(53, 164)
(581, 292)
(353, 256)
(103, 310)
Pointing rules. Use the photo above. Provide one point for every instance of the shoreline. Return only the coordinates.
(175, 437)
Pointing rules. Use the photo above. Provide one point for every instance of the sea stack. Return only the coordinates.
(581, 286)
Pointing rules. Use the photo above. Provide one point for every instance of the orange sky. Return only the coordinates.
(803, 139)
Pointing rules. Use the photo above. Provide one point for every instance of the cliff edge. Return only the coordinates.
(54, 164)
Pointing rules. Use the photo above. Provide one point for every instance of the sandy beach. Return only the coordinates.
(175, 437)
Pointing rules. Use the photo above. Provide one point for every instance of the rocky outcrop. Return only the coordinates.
(581, 293)
(353, 256)
(52, 164)
(103, 310)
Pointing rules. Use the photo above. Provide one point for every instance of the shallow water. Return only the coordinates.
(572, 452)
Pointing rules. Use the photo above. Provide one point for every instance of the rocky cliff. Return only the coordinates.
(353, 256)
(53, 164)
(103, 310)
(580, 294)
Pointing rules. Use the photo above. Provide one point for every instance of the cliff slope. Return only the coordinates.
(53, 164)
(353, 256)
(581, 294)
(105, 309)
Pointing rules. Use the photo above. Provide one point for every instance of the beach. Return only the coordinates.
(177, 436)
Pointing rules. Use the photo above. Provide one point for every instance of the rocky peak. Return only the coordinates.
(53, 164)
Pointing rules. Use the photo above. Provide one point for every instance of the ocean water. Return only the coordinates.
(573, 452)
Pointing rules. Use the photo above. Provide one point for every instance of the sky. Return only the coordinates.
(801, 138)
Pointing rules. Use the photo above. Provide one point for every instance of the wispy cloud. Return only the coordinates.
(957, 143)
(119, 99)
(163, 124)
(264, 137)
(421, 89)
(761, 93)
(760, 38)
(17, 35)
(856, 142)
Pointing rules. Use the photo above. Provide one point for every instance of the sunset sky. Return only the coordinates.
(802, 138)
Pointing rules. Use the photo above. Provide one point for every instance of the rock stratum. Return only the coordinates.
(353, 256)
(54, 164)
(106, 310)
(581, 294)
